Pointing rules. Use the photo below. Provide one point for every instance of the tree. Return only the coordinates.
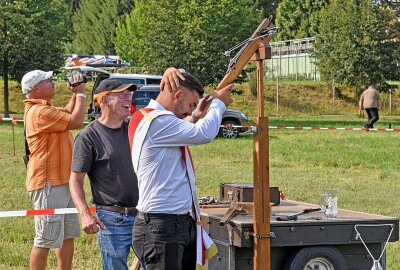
(392, 4)
(188, 34)
(269, 6)
(354, 44)
(94, 25)
(31, 37)
(298, 18)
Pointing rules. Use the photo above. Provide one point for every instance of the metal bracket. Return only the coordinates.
(259, 236)
(252, 129)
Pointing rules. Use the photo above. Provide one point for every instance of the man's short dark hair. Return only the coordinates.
(192, 83)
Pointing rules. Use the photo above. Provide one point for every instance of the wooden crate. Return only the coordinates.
(243, 192)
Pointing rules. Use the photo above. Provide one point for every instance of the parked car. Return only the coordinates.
(230, 118)
(149, 88)
(100, 74)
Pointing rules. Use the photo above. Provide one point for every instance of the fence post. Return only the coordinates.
(333, 92)
(277, 95)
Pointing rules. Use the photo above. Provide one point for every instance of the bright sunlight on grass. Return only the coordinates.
(363, 166)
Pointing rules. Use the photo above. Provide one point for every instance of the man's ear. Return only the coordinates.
(104, 100)
(35, 88)
(178, 94)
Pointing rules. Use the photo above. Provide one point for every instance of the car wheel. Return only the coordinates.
(228, 131)
(316, 258)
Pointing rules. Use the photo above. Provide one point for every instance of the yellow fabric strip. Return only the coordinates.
(211, 251)
(201, 267)
(148, 116)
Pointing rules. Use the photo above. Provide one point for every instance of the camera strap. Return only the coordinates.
(27, 152)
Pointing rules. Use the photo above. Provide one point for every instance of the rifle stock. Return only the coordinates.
(247, 52)
(244, 56)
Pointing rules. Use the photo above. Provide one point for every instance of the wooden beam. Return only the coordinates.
(263, 53)
(246, 54)
(260, 87)
(261, 196)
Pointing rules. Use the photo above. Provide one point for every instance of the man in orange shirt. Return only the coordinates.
(50, 144)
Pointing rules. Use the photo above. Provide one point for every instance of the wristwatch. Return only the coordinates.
(195, 117)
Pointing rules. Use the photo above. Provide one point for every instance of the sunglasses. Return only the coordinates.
(48, 80)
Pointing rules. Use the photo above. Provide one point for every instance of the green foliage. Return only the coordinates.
(269, 6)
(393, 5)
(188, 34)
(351, 45)
(94, 24)
(31, 37)
(72, 6)
(298, 18)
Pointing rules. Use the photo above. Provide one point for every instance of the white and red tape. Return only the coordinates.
(39, 212)
(15, 120)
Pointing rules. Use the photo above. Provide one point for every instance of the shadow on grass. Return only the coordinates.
(292, 104)
(321, 123)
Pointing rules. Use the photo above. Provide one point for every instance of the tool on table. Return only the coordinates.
(234, 209)
(295, 215)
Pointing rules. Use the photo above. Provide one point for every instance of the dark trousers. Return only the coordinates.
(373, 116)
(165, 241)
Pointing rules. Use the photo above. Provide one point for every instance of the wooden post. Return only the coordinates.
(260, 82)
(333, 93)
(261, 226)
(258, 50)
(261, 197)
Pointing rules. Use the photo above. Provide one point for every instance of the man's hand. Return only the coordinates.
(91, 224)
(203, 105)
(74, 79)
(201, 109)
(170, 79)
(224, 94)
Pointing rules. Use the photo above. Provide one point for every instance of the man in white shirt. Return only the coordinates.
(164, 231)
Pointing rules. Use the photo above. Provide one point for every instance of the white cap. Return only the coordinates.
(32, 78)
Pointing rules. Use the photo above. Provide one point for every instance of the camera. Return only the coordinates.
(76, 83)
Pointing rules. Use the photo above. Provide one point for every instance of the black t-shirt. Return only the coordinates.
(104, 154)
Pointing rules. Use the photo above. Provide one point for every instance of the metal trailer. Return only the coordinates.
(311, 242)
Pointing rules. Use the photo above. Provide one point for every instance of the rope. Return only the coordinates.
(376, 265)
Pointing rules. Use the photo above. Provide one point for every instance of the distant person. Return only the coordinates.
(101, 150)
(50, 143)
(371, 102)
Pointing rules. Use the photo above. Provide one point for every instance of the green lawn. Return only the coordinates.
(363, 166)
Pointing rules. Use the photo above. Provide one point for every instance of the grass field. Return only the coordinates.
(363, 166)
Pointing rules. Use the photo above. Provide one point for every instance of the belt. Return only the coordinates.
(177, 217)
(127, 211)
